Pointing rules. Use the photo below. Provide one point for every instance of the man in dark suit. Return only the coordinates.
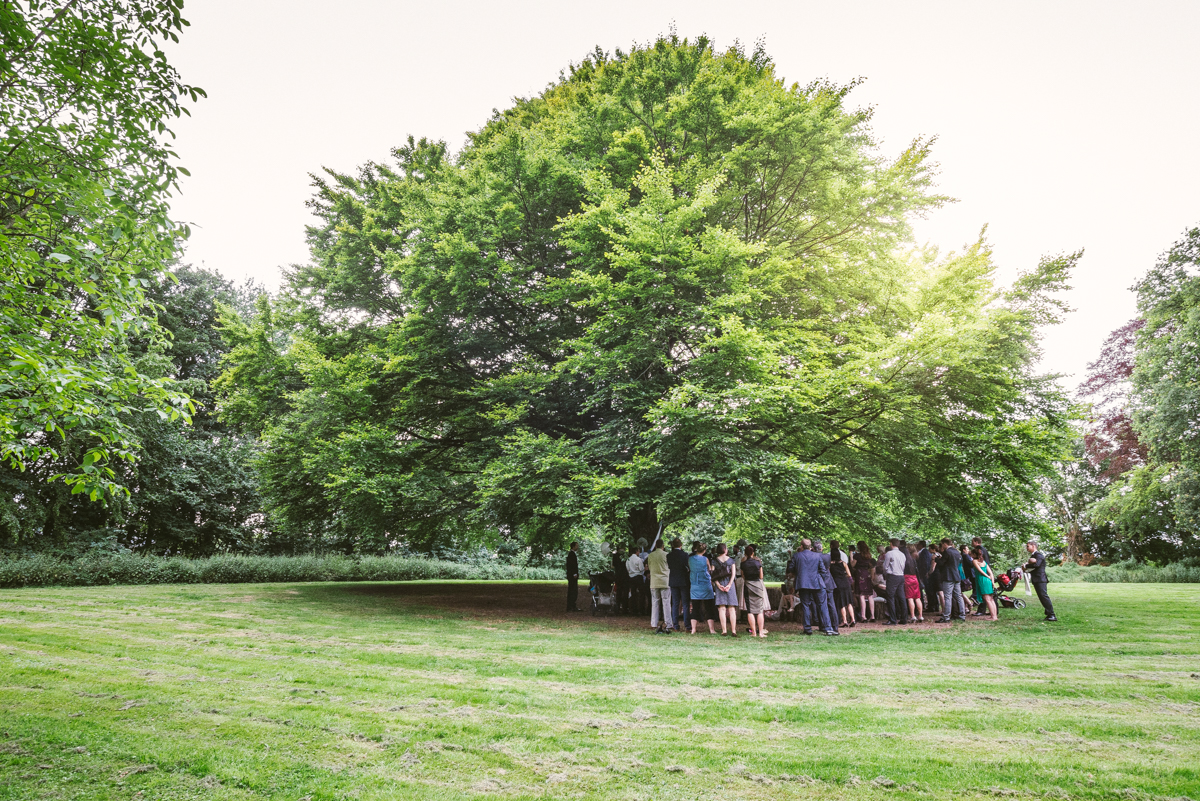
(810, 585)
(830, 585)
(925, 577)
(620, 580)
(1035, 568)
(976, 542)
(946, 567)
(573, 578)
(680, 583)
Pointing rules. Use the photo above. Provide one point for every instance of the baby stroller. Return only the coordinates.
(600, 587)
(1004, 583)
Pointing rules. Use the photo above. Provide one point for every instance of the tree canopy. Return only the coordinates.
(85, 172)
(671, 281)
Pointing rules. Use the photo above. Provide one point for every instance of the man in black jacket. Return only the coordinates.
(573, 578)
(978, 543)
(929, 584)
(1035, 568)
(680, 584)
(946, 568)
(621, 581)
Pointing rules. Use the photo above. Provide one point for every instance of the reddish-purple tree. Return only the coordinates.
(1111, 443)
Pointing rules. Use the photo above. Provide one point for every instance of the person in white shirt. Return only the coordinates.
(635, 565)
(893, 574)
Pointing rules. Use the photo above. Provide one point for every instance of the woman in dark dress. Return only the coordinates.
(863, 566)
(842, 596)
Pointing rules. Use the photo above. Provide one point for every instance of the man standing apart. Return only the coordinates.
(1035, 568)
(573, 578)
(660, 589)
(680, 584)
(947, 567)
(810, 586)
(893, 574)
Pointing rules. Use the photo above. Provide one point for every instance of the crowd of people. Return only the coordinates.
(898, 584)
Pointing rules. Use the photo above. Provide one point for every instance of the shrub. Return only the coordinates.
(44, 571)
(1128, 571)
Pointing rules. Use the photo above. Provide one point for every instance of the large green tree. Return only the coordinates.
(86, 94)
(668, 282)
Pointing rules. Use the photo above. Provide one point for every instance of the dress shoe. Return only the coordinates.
(808, 634)
(1051, 619)
(942, 620)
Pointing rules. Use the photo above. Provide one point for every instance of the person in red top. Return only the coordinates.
(912, 585)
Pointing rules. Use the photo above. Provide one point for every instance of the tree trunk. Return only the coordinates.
(1074, 538)
(643, 524)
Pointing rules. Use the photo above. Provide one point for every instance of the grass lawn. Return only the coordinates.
(328, 691)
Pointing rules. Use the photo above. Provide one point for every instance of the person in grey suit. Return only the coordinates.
(830, 585)
(810, 586)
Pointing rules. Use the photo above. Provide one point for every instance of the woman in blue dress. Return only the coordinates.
(699, 571)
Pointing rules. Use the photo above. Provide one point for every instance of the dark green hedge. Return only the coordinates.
(45, 571)
(1129, 572)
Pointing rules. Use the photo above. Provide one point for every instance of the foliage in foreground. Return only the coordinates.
(669, 282)
(43, 570)
(86, 171)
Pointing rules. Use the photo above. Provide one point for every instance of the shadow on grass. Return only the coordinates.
(534, 602)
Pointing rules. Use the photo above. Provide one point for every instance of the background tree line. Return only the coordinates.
(1132, 487)
(669, 293)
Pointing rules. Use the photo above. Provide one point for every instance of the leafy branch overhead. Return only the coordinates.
(86, 169)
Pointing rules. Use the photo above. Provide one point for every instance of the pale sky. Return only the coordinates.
(1060, 125)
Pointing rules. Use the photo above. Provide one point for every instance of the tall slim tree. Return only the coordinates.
(1111, 442)
(669, 281)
